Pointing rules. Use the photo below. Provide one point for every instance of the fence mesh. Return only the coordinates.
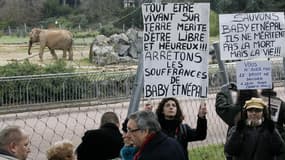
(89, 96)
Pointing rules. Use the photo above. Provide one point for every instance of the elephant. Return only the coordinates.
(53, 39)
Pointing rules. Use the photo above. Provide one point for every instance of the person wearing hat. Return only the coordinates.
(228, 110)
(254, 137)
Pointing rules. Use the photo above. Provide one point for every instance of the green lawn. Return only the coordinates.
(17, 40)
(13, 39)
(210, 152)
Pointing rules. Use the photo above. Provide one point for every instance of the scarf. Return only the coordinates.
(169, 127)
(148, 139)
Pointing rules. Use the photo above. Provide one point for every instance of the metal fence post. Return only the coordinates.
(224, 73)
(138, 87)
(284, 67)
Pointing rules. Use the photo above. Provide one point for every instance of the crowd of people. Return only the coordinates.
(162, 133)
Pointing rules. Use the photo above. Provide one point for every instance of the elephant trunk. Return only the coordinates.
(30, 46)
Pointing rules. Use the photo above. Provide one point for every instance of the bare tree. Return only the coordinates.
(101, 11)
(20, 11)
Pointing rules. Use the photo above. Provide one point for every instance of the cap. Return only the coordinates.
(254, 103)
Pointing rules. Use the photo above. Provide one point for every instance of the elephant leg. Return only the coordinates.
(52, 51)
(41, 53)
(64, 54)
(70, 55)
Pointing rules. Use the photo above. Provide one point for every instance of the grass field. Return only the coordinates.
(22, 40)
(13, 40)
(210, 152)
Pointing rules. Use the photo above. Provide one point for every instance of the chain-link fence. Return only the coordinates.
(56, 107)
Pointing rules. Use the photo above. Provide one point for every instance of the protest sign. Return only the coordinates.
(275, 105)
(175, 48)
(252, 35)
(253, 75)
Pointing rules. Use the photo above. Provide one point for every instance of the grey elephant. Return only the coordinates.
(53, 39)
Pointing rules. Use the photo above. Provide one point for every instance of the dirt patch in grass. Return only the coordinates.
(9, 53)
(19, 52)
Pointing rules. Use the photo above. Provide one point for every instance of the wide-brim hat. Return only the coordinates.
(255, 103)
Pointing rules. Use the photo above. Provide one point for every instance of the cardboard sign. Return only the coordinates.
(252, 35)
(275, 105)
(254, 75)
(175, 48)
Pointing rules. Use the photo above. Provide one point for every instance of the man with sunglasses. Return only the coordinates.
(254, 137)
(145, 132)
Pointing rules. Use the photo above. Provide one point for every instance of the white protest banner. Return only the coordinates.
(253, 75)
(175, 48)
(252, 35)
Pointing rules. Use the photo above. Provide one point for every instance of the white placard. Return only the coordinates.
(175, 48)
(252, 35)
(253, 75)
(275, 105)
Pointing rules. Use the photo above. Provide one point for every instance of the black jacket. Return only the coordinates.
(100, 144)
(225, 109)
(183, 133)
(254, 143)
(162, 147)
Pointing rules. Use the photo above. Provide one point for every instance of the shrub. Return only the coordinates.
(85, 34)
(58, 67)
(214, 24)
(21, 91)
(19, 69)
(108, 30)
(53, 88)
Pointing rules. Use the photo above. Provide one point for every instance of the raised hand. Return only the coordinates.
(202, 110)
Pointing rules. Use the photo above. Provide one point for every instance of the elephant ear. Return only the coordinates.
(36, 33)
